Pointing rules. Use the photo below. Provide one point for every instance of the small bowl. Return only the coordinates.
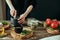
(52, 31)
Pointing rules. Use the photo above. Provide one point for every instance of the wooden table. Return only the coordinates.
(38, 34)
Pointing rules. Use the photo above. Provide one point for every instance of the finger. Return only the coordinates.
(20, 22)
(15, 13)
(12, 13)
(19, 18)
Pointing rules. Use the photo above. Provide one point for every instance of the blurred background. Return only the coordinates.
(43, 10)
(2, 10)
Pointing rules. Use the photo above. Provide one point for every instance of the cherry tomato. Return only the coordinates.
(48, 21)
(54, 25)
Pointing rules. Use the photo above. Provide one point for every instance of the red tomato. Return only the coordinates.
(55, 21)
(48, 21)
(54, 25)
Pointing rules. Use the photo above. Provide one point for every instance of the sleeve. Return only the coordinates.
(33, 2)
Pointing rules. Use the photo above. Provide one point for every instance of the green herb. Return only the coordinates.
(4, 23)
(25, 32)
(50, 28)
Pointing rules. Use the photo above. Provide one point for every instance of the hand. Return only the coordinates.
(13, 12)
(21, 19)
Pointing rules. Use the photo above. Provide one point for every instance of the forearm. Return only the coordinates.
(9, 4)
(29, 9)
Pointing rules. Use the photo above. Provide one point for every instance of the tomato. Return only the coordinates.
(54, 25)
(48, 21)
(55, 21)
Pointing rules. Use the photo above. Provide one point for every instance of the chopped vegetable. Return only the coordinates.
(50, 28)
(4, 22)
(25, 32)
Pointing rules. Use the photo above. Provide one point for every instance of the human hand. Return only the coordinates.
(21, 19)
(13, 12)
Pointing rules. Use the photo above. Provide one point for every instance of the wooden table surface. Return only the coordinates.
(38, 34)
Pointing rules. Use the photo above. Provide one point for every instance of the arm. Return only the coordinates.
(29, 9)
(13, 12)
(10, 4)
(23, 16)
